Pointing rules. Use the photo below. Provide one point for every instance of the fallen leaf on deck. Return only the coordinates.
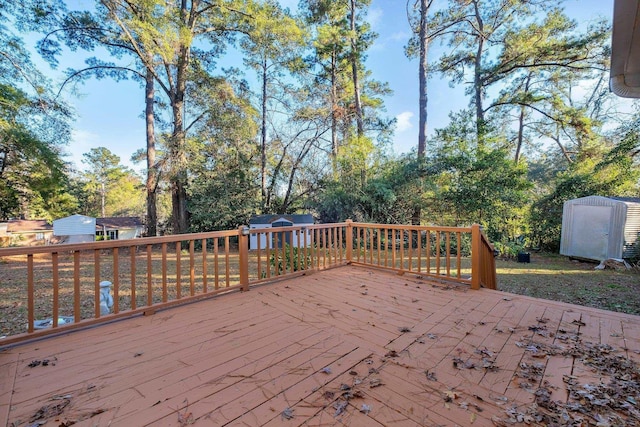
(375, 382)
(287, 414)
(450, 395)
(365, 409)
(340, 406)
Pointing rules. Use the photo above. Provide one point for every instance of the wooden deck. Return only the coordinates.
(344, 347)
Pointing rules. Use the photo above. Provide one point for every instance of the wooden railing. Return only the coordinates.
(61, 283)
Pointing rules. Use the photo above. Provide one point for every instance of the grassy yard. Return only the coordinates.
(558, 278)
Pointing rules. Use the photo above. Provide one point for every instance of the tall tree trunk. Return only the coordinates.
(354, 72)
(356, 86)
(422, 81)
(263, 138)
(152, 168)
(521, 121)
(178, 146)
(423, 98)
(477, 78)
(334, 113)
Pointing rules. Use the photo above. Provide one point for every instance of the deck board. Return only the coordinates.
(299, 344)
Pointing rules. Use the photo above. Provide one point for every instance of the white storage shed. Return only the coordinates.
(276, 239)
(75, 228)
(600, 228)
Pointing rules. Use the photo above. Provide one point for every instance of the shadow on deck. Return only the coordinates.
(347, 346)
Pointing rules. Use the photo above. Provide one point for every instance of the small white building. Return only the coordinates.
(119, 227)
(276, 240)
(599, 228)
(75, 229)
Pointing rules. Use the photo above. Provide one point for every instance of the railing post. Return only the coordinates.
(476, 248)
(243, 253)
(349, 240)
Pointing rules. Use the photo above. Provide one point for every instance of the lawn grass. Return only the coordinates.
(558, 278)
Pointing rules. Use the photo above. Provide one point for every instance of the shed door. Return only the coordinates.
(281, 238)
(590, 231)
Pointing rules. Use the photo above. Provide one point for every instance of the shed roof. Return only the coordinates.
(26, 225)
(627, 199)
(270, 218)
(119, 222)
(613, 198)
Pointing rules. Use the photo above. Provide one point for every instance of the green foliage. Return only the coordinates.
(281, 263)
(509, 249)
(107, 188)
(597, 171)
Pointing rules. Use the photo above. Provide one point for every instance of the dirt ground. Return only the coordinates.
(558, 278)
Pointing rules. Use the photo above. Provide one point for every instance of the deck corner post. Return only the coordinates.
(243, 254)
(349, 240)
(475, 256)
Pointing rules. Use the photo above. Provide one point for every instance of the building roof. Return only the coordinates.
(610, 199)
(119, 222)
(27, 225)
(270, 218)
(626, 199)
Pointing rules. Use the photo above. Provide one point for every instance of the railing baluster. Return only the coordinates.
(291, 263)
(306, 249)
(56, 288)
(165, 296)
(438, 252)
(316, 249)
(410, 248)
(268, 238)
(428, 243)
(395, 244)
(336, 255)
(204, 266)
(459, 253)
(402, 232)
(149, 276)
(96, 283)
(448, 254)
(132, 253)
(216, 266)
(178, 270)
(259, 240)
(371, 246)
(76, 287)
(116, 280)
(226, 260)
(379, 234)
(192, 268)
(358, 229)
(31, 317)
(419, 247)
(340, 240)
(324, 248)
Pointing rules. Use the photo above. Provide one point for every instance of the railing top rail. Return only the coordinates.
(486, 241)
(109, 244)
(412, 227)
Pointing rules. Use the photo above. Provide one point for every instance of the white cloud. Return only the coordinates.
(401, 36)
(374, 16)
(404, 121)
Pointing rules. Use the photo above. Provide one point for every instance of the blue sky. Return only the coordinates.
(109, 114)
